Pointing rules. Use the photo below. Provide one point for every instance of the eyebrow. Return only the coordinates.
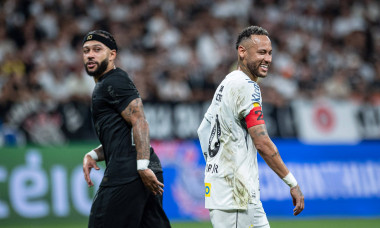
(94, 45)
(263, 49)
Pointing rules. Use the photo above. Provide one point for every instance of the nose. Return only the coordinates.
(268, 58)
(89, 54)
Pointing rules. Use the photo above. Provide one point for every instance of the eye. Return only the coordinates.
(85, 51)
(97, 49)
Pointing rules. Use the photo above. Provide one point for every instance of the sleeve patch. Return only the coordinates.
(255, 117)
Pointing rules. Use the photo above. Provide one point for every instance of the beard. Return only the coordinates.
(255, 69)
(99, 70)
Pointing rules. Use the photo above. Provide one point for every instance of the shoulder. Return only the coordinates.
(117, 74)
(118, 78)
(243, 87)
(240, 80)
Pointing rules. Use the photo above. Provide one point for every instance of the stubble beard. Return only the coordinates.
(102, 67)
(255, 70)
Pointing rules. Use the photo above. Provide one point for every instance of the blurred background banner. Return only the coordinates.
(327, 121)
(318, 121)
(47, 183)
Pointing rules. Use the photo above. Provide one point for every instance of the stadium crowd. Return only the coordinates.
(178, 50)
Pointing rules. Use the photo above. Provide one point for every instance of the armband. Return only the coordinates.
(142, 164)
(290, 180)
(255, 117)
(93, 155)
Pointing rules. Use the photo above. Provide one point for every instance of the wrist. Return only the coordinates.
(93, 155)
(290, 180)
(142, 164)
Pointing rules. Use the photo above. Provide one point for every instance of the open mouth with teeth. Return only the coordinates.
(91, 65)
(264, 67)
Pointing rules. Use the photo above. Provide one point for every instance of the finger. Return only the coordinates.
(96, 166)
(160, 190)
(154, 191)
(296, 211)
(157, 189)
(86, 174)
(160, 184)
(89, 181)
(298, 208)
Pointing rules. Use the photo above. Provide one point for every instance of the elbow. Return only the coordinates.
(264, 145)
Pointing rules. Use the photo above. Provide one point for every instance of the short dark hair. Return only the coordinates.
(247, 32)
(104, 34)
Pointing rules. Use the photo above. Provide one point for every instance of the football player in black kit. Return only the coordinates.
(130, 194)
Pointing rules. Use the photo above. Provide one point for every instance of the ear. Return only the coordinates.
(113, 55)
(241, 52)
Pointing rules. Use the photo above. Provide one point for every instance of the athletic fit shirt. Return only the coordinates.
(231, 173)
(112, 94)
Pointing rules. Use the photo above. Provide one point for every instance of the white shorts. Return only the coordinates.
(253, 217)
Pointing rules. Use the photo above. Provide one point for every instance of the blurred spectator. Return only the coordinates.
(178, 50)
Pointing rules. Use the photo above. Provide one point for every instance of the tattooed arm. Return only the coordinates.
(269, 152)
(134, 115)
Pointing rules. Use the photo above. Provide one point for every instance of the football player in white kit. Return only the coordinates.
(232, 132)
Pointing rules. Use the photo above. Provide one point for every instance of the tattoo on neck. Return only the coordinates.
(245, 69)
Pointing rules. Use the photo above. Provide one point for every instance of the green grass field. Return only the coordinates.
(322, 223)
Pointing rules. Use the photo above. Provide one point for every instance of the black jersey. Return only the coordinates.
(112, 94)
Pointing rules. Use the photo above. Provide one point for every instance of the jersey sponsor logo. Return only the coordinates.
(256, 95)
(213, 168)
(214, 141)
(207, 189)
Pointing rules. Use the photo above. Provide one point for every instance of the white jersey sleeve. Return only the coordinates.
(203, 134)
(248, 96)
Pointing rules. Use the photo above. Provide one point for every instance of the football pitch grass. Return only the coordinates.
(275, 223)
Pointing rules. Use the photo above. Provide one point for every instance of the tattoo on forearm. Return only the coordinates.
(141, 137)
(260, 131)
(275, 154)
(134, 114)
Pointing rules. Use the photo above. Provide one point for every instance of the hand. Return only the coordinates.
(88, 164)
(298, 200)
(150, 181)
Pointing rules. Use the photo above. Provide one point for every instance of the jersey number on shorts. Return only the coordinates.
(214, 141)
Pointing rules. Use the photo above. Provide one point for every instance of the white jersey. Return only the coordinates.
(231, 173)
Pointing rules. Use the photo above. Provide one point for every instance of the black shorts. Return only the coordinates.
(130, 205)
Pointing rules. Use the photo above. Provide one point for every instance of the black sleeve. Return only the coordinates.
(121, 91)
